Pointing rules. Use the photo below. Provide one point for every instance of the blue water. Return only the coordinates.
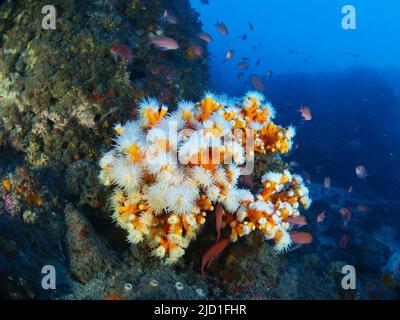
(349, 78)
(311, 28)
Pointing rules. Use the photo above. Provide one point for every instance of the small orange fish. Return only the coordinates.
(350, 189)
(299, 220)
(327, 182)
(305, 113)
(219, 213)
(229, 54)
(212, 253)
(257, 83)
(122, 51)
(205, 37)
(321, 217)
(222, 28)
(301, 237)
(361, 172)
(170, 18)
(346, 214)
(362, 207)
(242, 65)
(343, 240)
(198, 50)
(164, 43)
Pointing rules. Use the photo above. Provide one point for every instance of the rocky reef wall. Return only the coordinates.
(60, 92)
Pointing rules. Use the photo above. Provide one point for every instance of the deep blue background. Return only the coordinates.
(349, 78)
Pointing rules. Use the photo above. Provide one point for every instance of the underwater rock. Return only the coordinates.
(87, 255)
(252, 257)
(30, 239)
(62, 89)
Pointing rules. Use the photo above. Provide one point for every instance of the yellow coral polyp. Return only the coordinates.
(207, 107)
(118, 130)
(209, 159)
(154, 117)
(274, 139)
(135, 153)
(187, 115)
(6, 184)
(165, 203)
(204, 203)
(229, 115)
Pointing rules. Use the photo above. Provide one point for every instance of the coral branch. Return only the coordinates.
(172, 169)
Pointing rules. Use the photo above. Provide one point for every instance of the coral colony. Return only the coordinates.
(172, 170)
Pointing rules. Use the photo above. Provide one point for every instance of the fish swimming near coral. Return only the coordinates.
(321, 217)
(221, 27)
(298, 221)
(346, 214)
(205, 36)
(121, 50)
(257, 83)
(243, 65)
(164, 43)
(327, 182)
(212, 253)
(362, 207)
(169, 18)
(299, 237)
(195, 51)
(229, 54)
(305, 113)
(219, 213)
(361, 172)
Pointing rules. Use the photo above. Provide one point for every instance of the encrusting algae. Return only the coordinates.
(171, 170)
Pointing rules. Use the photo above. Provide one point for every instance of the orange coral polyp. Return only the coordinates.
(154, 117)
(208, 159)
(207, 107)
(262, 116)
(254, 215)
(273, 138)
(134, 152)
(169, 215)
(204, 203)
(132, 208)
